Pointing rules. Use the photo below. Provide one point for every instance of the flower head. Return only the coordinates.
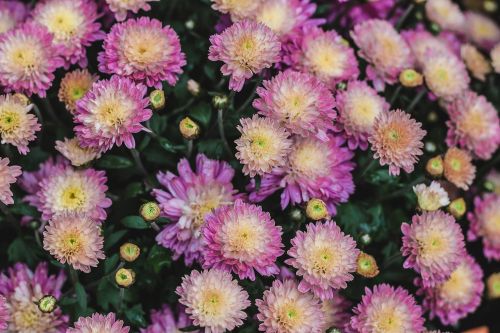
(263, 145)
(325, 54)
(484, 222)
(74, 85)
(74, 240)
(336, 311)
(445, 75)
(187, 199)
(245, 48)
(73, 24)
(99, 323)
(493, 286)
(17, 125)
(433, 244)
(446, 14)
(458, 168)
(359, 105)
(164, 320)
(386, 309)
(422, 41)
(473, 125)
(242, 238)
(8, 175)
(457, 296)
(397, 141)
(431, 198)
(283, 308)
(22, 288)
(213, 300)
(495, 58)
(121, 7)
(28, 60)
(73, 151)
(367, 265)
(144, 51)
(299, 102)
(475, 61)
(11, 14)
(324, 257)
(382, 46)
(74, 192)
(481, 30)
(110, 113)
(237, 9)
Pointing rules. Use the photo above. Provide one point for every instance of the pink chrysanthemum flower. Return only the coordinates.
(481, 30)
(186, 201)
(446, 14)
(17, 125)
(74, 85)
(237, 9)
(477, 64)
(387, 310)
(445, 75)
(242, 239)
(74, 240)
(73, 151)
(358, 106)
(73, 24)
(432, 197)
(245, 48)
(4, 314)
(164, 321)
(433, 244)
(315, 169)
(28, 60)
(283, 308)
(325, 54)
(397, 141)
(386, 51)
(22, 288)
(458, 168)
(110, 113)
(456, 297)
(495, 58)
(99, 323)
(121, 7)
(285, 17)
(8, 175)
(12, 12)
(213, 300)
(263, 145)
(324, 257)
(144, 51)
(336, 312)
(422, 41)
(484, 222)
(473, 125)
(74, 192)
(299, 101)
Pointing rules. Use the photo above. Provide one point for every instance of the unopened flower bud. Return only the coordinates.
(296, 214)
(435, 28)
(150, 211)
(129, 252)
(366, 239)
(435, 166)
(366, 265)
(22, 98)
(489, 186)
(457, 208)
(157, 99)
(47, 304)
(490, 6)
(430, 147)
(34, 224)
(316, 209)
(125, 277)
(193, 87)
(341, 86)
(493, 285)
(220, 101)
(189, 129)
(432, 117)
(411, 78)
(190, 24)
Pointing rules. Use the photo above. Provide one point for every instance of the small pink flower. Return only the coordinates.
(164, 321)
(120, 8)
(99, 323)
(484, 223)
(446, 14)
(481, 30)
(8, 175)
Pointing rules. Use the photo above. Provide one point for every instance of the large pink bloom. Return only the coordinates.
(433, 244)
(144, 51)
(28, 60)
(316, 169)
(484, 223)
(99, 323)
(110, 113)
(187, 199)
(242, 238)
(22, 287)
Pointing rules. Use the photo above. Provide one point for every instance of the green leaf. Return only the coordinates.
(23, 251)
(202, 113)
(114, 162)
(111, 263)
(158, 258)
(81, 295)
(213, 148)
(107, 294)
(20, 208)
(158, 123)
(134, 190)
(112, 239)
(136, 315)
(135, 222)
(169, 145)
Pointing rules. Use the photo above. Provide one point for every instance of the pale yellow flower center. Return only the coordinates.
(212, 303)
(363, 111)
(25, 57)
(247, 51)
(113, 112)
(10, 121)
(323, 259)
(245, 238)
(73, 197)
(277, 16)
(289, 316)
(387, 320)
(71, 244)
(27, 317)
(202, 201)
(261, 143)
(309, 159)
(433, 245)
(474, 124)
(459, 286)
(325, 58)
(62, 21)
(142, 48)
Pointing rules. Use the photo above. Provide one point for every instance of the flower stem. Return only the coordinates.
(405, 15)
(222, 134)
(395, 95)
(415, 101)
